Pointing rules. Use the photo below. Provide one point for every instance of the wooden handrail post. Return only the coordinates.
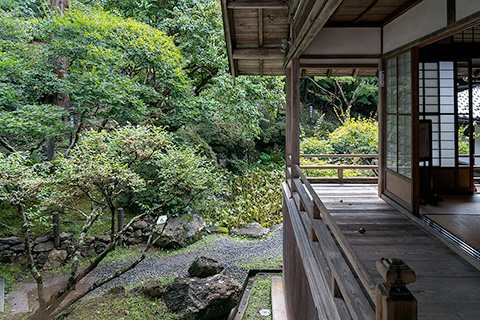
(56, 229)
(393, 300)
(340, 174)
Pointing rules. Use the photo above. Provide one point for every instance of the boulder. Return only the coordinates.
(44, 246)
(217, 230)
(43, 239)
(152, 288)
(252, 230)
(65, 236)
(203, 267)
(140, 224)
(18, 248)
(103, 238)
(41, 258)
(55, 259)
(202, 299)
(4, 247)
(276, 227)
(12, 241)
(138, 233)
(180, 231)
(6, 256)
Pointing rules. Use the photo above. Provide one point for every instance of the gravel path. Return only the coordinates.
(228, 251)
(231, 252)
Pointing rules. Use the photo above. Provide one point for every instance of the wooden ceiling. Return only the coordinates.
(368, 13)
(258, 31)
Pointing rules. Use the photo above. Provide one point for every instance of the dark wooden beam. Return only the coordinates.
(450, 51)
(329, 73)
(258, 53)
(228, 29)
(365, 11)
(339, 66)
(401, 10)
(451, 11)
(340, 56)
(355, 72)
(319, 15)
(260, 27)
(266, 4)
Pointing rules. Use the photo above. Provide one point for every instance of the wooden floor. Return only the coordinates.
(447, 286)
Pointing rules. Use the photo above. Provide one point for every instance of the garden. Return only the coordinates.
(128, 106)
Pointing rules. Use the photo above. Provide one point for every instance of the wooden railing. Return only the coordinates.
(340, 168)
(334, 266)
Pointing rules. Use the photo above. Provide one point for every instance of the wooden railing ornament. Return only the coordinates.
(394, 301)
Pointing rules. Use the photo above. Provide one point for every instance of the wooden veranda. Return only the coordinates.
(341, 231)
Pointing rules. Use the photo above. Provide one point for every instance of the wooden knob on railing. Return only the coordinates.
(394, 301)
(395, 272)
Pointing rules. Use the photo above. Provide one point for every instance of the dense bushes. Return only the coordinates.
(253, 196)
(355, 136)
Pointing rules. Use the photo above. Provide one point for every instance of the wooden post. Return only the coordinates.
(56, 229)
(120, 222)
(394, 300)
(295, 114)
(340, 174)
(288, 133)
(2, 295)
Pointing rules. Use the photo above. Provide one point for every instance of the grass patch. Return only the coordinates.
(13, 275)
(260, 298)
(262, 262)
(120, 306)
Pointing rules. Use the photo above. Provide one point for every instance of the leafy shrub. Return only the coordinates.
(356, 136)
(253, 196)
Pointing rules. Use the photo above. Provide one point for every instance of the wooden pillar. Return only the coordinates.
(295, 115)
(292, 125)
(381, 113)
(394, 300)
(415, 60)
(288, 133)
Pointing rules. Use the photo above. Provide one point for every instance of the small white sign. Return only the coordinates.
(162, 219)
(264, 312)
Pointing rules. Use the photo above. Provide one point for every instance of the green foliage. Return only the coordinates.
(116, 66)
(254, 196)
(176, 180)
(356, 136)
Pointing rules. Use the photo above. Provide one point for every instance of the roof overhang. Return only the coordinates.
(263, 37)
(254, 31)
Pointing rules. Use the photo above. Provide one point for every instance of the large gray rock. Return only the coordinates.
(44, 246)
(43, 239)
(55, 259)
(180, 231)
(203, 267)
(6, 256)
(252, 230)
(12, 241)
(140, 224)
(152, 288)
(202, 299)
